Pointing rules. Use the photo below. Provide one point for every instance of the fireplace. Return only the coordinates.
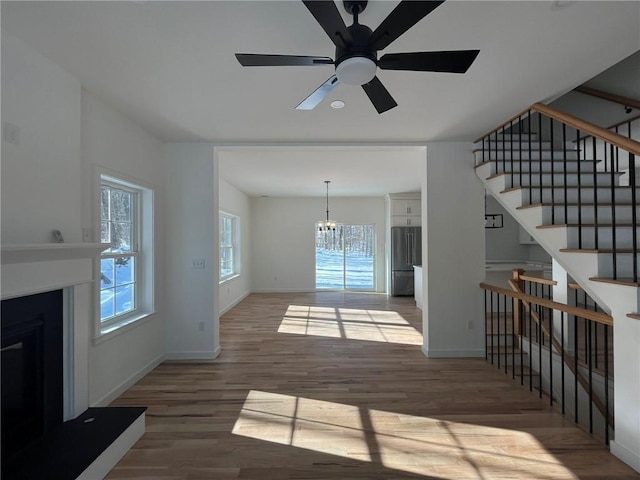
(32, 371)
(49, 429)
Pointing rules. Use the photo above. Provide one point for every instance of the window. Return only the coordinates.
(229, 251)
(345, 258)
(126, 267)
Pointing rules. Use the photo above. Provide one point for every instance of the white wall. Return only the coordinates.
(46, 186)
(503, 243)
(41, 175)
(235, 202)
(112, 141)
(191, 214)
(283, 245)
(453, 253)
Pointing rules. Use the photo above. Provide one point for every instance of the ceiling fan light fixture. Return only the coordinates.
(356, 70)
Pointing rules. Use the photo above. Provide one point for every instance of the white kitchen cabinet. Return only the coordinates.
(406, 211)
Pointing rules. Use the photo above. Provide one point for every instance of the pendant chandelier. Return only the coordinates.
(326, 225)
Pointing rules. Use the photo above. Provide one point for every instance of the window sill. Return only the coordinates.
(226, 279)
(126, 324)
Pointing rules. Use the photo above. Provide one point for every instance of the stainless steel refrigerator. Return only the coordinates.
(406, 251)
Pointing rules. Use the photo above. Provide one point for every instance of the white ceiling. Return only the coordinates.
(169, 65)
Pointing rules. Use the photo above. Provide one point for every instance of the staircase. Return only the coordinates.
(566, 192)
(565, 203)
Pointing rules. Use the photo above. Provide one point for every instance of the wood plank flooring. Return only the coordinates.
(334, 386)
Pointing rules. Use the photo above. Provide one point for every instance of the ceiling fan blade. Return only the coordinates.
(318, 94)
(406, 14)
(258, 60)
(457, 61)
(327, 15)
(379, 95)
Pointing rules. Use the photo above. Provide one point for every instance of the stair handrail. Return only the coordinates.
(612, 97)
(613, 138)
(599, 317)
(592, 129)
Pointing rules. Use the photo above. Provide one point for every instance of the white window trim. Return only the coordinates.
(145, 257)
(235, 245)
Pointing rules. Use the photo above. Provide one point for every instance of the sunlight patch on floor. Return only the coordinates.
(448, 450)
(349, 323)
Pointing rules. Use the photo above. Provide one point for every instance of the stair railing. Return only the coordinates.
(519, 318)
(542, 170)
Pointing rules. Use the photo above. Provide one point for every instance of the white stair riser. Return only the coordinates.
(534, 167)
(534, 155)
(516, 136)
(517, 145)
(624, 237)
(623, 214)
(587, 196)
(559, 179)
(624, 265)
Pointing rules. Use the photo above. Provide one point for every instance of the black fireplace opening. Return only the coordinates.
(32, 372)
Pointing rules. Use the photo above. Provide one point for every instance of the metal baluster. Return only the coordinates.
(530, 350)
(520, 145)
(553, 162)
(530, 160)
(613, 217)
(634, 218)
(575, 365)
(491, 299)
(550, 357)
(486, 340)
(564, 160)
(522, 327)
(540, 154)
(590, 382)
(606, 382)
(506, 336)
(579, 168)
(498, 322)
(595, 191)
(540, 320)
(562, 359)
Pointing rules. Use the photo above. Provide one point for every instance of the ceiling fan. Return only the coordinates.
(357, 49)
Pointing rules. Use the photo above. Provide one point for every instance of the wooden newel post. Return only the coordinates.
(516, 302)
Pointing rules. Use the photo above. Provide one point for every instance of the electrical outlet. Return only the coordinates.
(470, 324)
(197, 264)
(10, 133)
(201, 326)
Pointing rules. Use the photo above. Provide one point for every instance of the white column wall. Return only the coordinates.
(191, 233)
(453, 253)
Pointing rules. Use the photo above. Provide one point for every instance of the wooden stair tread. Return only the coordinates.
(532, 160)
(635, 316)
(616, 281)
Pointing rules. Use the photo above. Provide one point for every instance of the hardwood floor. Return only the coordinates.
(334, 386)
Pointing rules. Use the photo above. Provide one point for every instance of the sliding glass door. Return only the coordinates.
(345, 258)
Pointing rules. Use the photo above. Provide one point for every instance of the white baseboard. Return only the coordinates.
(285, 290)
(128, 383)
(627, 456)
(193, 355)
(112, 455)
(234, 303)
(452, 353)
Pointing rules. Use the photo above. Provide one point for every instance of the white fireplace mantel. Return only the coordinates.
(37, 267)
(28, 269)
